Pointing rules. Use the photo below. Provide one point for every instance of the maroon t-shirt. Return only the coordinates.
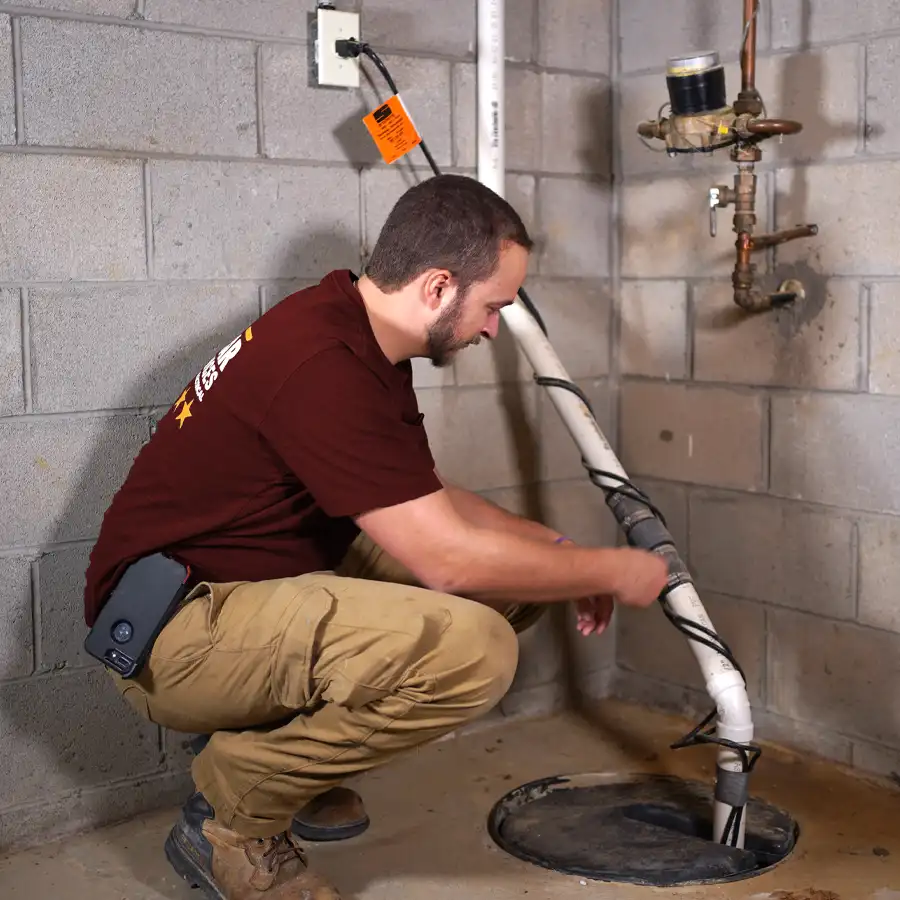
(292, 428)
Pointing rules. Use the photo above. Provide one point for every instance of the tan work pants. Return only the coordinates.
(303, 682)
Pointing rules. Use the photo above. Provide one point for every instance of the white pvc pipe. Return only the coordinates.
(723, 681)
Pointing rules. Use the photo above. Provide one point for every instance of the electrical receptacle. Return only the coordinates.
(331, 69)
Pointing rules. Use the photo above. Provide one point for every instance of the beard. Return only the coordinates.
(443, 344)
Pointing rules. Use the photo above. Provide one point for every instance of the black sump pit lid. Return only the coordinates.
(641, 829)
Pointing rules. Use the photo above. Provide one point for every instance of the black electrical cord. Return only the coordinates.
(749, 753)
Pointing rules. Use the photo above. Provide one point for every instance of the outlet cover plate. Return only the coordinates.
(331, 69)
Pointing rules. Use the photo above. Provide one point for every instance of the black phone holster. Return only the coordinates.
(137, 610)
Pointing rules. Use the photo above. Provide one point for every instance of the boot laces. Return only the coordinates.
(281, 849)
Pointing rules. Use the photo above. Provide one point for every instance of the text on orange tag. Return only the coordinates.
(392, 129)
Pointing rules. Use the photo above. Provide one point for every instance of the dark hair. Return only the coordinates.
(448, 222)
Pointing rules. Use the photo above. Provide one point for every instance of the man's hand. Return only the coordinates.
(594, 614)
(640, 577)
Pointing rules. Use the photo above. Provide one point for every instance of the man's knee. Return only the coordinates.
(479, 656)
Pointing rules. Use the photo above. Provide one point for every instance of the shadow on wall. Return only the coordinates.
(72, 730)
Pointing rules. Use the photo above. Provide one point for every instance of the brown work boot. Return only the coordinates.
(336, 815)
(225, 865)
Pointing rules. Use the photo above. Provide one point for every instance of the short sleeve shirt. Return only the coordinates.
(293, 428)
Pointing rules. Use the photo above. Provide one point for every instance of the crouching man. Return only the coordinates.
(345, 603)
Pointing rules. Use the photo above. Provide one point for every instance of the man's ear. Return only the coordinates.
(435, 284)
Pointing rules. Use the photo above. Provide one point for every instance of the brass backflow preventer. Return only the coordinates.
(701, 121)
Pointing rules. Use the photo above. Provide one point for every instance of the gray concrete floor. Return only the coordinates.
(428, 837)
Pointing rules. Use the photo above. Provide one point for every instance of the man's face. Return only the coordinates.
(465, 320)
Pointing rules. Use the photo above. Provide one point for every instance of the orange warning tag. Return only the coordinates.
(392, 129)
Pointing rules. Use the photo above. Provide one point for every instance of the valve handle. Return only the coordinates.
(714, 195)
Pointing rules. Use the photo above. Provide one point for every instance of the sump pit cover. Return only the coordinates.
(643, 829)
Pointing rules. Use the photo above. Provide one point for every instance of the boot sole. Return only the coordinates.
(188, 869)
(322, 835)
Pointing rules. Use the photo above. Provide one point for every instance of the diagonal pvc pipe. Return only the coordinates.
(723, 682)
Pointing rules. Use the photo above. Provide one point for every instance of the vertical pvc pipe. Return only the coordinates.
(723, 681)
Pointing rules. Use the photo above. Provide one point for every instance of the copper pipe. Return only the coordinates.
(782, 237)
(748, 49)
(773, 126)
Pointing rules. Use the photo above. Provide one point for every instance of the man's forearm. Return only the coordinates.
(481, 513)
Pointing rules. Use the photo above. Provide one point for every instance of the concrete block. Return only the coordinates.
(877, 759)
(250, 220)
(765, 549)
(575, 34)
(282, 18)
(884, 338)
(176, 746)
(70, 217)
(819, 88)
(425, 375)
(649, 644)
(665, 230)
(879, 569)
(425, 88)
(559, 455)
(882, 82)
(520, 191)
(448, 27)
(524, 124)
(121, 9)
(798, 22)
(521, 22)
(576, 112)
(801, 737)
(60, 475)
(61, 579)
(303, 121)
(83, 811)
(102, 347)
(673, 699)
(16, 620)
(505, 421)
(840, 199)
(824, 450)
(813, 345)
(834, 674)
(7, 87)
(577, 509)
(575, 227)
(534, 702)
(707, 436)
(651, 32)
(382, 187)
(577, 315)
(275, 291)
(12, 399)
(154, 91)
(653, 330)
(541, 652)
(69, 732)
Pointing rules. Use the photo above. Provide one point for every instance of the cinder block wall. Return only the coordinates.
(775, 440)
(168, 173)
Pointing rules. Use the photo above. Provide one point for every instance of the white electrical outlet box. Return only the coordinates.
(332, 69)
